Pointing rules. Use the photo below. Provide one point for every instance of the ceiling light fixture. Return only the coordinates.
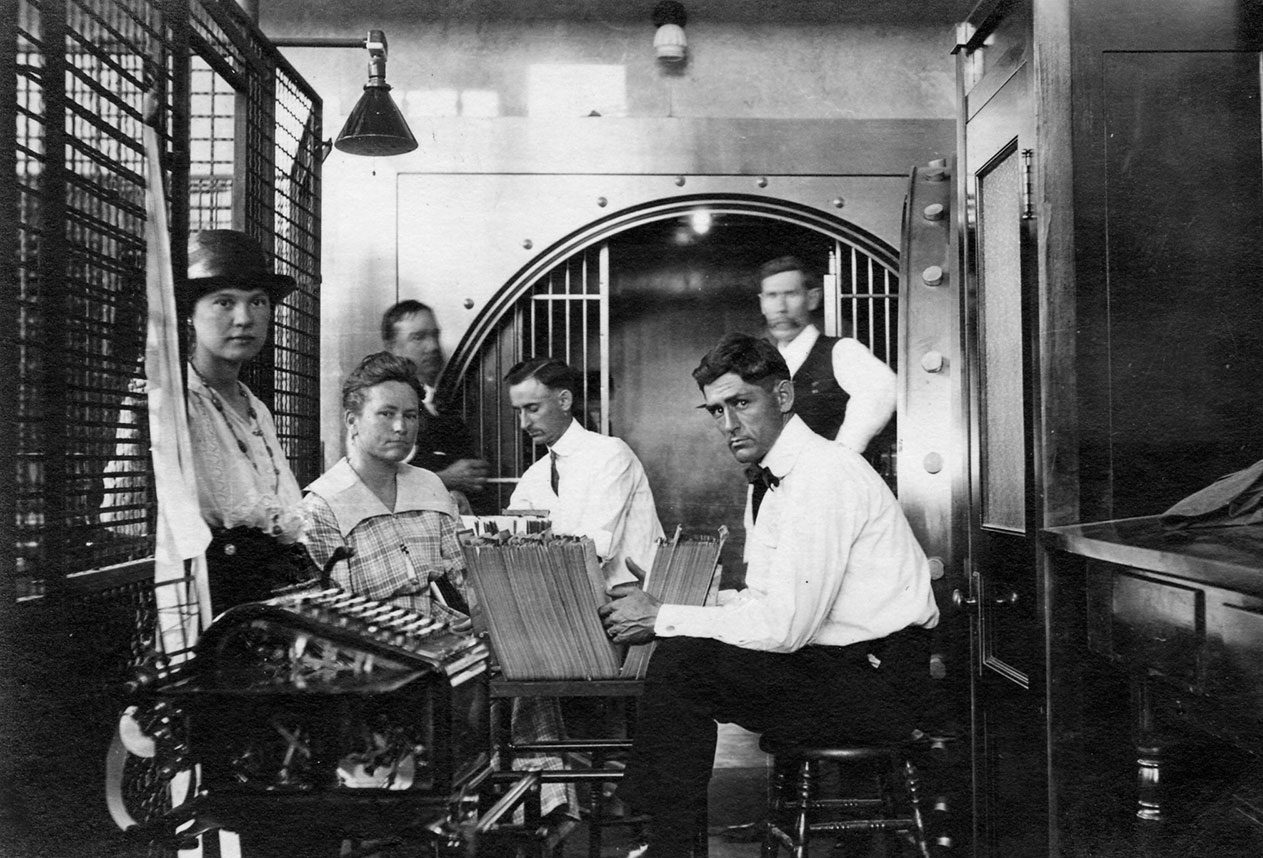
(669, 42)
(375, 125)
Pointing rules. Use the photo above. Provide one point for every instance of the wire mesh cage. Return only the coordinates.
(240, 134)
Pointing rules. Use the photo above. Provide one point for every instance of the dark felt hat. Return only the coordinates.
(226, 257)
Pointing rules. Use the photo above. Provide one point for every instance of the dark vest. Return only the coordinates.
(818, 399)
(441, 440)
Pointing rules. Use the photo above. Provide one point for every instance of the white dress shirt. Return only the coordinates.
(831, 560)
(605, 495)
(866, 379)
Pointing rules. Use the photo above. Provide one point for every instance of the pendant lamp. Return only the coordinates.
(376, 126)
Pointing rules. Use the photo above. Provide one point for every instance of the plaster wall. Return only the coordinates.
(510, 151)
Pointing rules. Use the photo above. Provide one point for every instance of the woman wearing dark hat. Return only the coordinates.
(247, 493)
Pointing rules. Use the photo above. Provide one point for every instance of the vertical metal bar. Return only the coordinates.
(54, 296)
(855, 274)
(567, 306)
(887, 290)
(583, 330)
(518, 336)
(548, 305)
(177, 19)
(832, 294)
(241, 185)
(604, 326)
(11, 375)
(529, 347)
(872, 323)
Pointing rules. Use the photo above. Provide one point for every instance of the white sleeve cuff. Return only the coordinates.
(685, 620)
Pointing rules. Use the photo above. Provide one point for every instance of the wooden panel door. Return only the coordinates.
(1002, 368)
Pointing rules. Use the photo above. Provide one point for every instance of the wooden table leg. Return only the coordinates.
(1150, 754)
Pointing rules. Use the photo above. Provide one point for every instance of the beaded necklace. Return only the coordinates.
(254, 418)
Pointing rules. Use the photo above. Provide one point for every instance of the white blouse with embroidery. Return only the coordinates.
(243, 477)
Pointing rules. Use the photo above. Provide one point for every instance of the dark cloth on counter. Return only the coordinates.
(1235, 499)
(245, 564)
(814, 695)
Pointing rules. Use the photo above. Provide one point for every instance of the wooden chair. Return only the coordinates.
(798, 811)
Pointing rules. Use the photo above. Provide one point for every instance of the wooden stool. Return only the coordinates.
(797, 811)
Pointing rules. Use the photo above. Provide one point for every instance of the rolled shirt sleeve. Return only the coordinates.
(872, 387)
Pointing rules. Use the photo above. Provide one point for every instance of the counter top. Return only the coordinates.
(1229, 557)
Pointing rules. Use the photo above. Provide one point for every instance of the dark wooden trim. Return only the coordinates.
(982, 20)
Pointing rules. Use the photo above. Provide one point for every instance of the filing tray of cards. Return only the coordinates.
(538, 596)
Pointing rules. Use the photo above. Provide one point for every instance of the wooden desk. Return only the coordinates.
(1182, 613)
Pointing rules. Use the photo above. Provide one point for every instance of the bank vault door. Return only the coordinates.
(633, 312)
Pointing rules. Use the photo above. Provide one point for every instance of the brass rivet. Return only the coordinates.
(838, 202)
(602, 202)
(933, 463)
(527, 243)
(934, 211)
(932, 275)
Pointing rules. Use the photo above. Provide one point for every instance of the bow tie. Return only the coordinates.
(761, 479)
(762, 476)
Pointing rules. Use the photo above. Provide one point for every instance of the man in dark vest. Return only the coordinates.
(444, 444)
(841, 389)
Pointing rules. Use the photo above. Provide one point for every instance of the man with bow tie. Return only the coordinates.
(828, 640)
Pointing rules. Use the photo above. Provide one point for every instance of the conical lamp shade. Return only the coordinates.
(376, 126)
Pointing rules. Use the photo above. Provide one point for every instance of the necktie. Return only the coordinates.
(761, 479)
(554, 479)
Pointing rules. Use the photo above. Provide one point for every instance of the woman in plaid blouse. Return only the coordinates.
(400, 523)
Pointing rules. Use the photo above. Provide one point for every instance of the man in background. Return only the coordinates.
(591, 484)
(841, 389)
(444, 444)
(829, 639)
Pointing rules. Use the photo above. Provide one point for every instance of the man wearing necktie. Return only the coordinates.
(590, 484)
(828, 639)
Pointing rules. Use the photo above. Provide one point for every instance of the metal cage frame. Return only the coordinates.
(77, 507)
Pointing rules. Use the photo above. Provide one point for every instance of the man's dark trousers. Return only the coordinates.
(816, 695)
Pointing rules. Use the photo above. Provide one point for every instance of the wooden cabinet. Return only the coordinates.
(1122, 143)
(1181, 613)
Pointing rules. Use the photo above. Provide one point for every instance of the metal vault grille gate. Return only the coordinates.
(241, 137)
(861, 300)
(565, 313)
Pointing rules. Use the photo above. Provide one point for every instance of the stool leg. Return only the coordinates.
(913, 782)
(775, 810)
(806, 794)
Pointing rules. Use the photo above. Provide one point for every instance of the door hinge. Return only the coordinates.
(1028, 184)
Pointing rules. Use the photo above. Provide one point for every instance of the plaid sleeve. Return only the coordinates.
(453, 556)
(322, 537)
